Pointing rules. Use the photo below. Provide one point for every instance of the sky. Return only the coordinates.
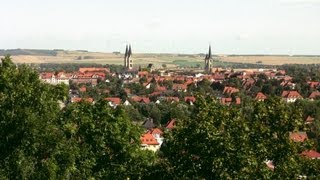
(163, 26)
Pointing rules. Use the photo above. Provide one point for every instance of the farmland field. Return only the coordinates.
(170, 60)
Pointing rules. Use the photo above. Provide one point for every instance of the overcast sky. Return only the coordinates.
(173, 26)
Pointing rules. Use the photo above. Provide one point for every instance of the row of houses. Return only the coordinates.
(83, 76)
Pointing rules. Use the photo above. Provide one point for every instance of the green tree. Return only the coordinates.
(107, 143)
(32, 145)
(220, 142)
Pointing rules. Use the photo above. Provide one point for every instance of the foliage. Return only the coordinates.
(220, 142)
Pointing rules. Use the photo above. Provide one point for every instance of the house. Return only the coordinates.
(148, 142)
(160, 89)
(55, 78)
(139, 99)
(311, 154)
(313, 84)
(113, 101)
(143, 74)
(298, 136)
(314, 95)
(148, 124)
(83, 89)
(180, 87)
(290, 96)
(309, 120)
(172, 99)
(190, 100)
(84, 78)
(157, 134)
(127, 103)
(76, 100)
(228, 101)
(171, 124)
(260, 96)
(230, 90)
(94, 70)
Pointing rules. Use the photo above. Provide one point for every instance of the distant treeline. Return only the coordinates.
(35, 52)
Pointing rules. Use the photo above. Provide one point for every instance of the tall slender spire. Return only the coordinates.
(129, 51)
(207, 61)
(209, 54)
(125, 57)
(126, 53)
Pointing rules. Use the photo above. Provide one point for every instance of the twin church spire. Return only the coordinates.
(128, 63)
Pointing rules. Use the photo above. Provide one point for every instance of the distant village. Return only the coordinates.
(167, 87)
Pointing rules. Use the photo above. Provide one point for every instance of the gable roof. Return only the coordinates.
(92, 69)
(141, 99)
(190, 99)
(314, 95)
(114, 100)
(291, 94)
(230, 90)
(155, 131)
(171, 99)
(148, 139)
(90, 100)
(309, 119)
(260, 96)
(298, 136)
(148, 124)
(171, 124)
(311, 154)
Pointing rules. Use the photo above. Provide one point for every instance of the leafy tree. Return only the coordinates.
(32, 145)
(107, 144)
(220, 142)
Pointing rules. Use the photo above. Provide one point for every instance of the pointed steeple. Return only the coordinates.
(129, 51)
(209, 54)
(126, 53)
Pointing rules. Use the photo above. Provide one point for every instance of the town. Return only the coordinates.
(143, 92)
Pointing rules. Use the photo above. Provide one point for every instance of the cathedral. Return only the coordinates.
(128, 63)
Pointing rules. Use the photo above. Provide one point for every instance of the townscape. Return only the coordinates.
(161, 121)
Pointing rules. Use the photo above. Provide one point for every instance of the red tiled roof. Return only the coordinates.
(260, 96)
(314, 94)
(311, 154)
(314, 84)
(291, 94)
(189, 99)
(46, 75)
(226, 101)
(83, 89)
(171, 124)
(161, 88)
(143, 73)
(90, 100)
(179, 87)
(230, 90)
(148, 139)
(141, 99)
(114, 100)
(176, 99)
(298, 136)
(155, 131)
(83, 70)
(155, 93)
(309, 119)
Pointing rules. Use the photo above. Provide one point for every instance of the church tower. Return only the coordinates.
(207, 61)
(128, 63)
